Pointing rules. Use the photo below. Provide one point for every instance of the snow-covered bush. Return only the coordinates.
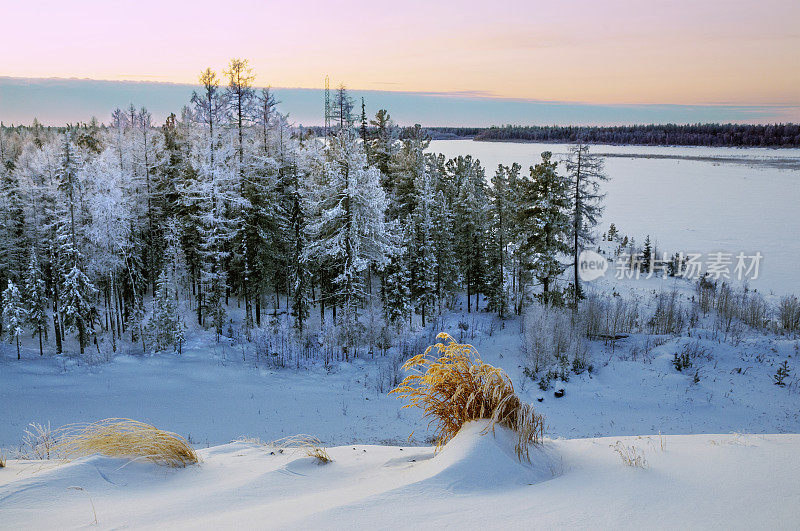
(726, 307)
(550, 335)
(789, 313)
(753, 310)
(706, 294)
(669, 316)
(605, 316)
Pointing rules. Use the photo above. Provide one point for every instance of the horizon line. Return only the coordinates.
(466, 94)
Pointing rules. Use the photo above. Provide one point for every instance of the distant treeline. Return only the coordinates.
(772, 135)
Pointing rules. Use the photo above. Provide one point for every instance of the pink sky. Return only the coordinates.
(700, 51)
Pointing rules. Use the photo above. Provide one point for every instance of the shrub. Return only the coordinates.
(124, 438)
(668, 317)
(726, 306)
(606, 317)
(457, 387)
(681, 361)
(782, 373)
(706, 294)
(789, 313)
(754, 310)
(550, 334)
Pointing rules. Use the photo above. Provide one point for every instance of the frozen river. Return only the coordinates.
(691, 199)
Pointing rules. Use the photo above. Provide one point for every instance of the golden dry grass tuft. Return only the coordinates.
(456, 387)
(308, 444)
(124, 438)
(2, 460)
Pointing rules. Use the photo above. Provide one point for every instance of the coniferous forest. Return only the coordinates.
(109, 229)
(730, 135)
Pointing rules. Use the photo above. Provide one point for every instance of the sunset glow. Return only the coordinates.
(599, 52)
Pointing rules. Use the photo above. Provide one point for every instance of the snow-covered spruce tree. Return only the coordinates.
(446, 274)
(346, 207)
(342, 110)
(13, 239)
(36, 298)
(299, 276)
(212, 193)
(13, 314)
(250, 236)
(148, 156)
(76, 288)
(585, 173)
(39, 170)
(469, 226)
(396, 292)
(501, 209)
(647, 254)
(165, 327)
(382, 147)
(542, 223)
(407, 166)
(422, 255)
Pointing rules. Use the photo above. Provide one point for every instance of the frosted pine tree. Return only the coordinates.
(422, 255)
(148, 156)
(396, 292)
(446, 274)
(407, 167)
(382, 147)
(13, 241)
(165, 327)
(13, 314)
(36, 298)
(76, 288)
(585, 173)
(76, 306)
(212, 194)
(542, 223)
(346, 227)
(500, 211)
(469, 223)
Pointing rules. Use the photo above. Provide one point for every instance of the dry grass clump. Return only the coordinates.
(458, 387)
(2, 460)
(631, 455)
(127, 439)
(308, 444)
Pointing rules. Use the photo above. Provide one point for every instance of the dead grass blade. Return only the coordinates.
(457, 387)
(308, 444)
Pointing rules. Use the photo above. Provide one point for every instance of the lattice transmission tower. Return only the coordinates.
(327, 105)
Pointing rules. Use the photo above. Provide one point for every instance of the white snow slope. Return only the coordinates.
(697, 481)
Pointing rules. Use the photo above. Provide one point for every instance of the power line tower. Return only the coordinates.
(327, 105)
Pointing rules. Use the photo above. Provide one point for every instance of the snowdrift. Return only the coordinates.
(475, 481)
(482, 458)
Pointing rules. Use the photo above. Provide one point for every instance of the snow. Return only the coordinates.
(720, 452)
(699, 481)
(719, 199)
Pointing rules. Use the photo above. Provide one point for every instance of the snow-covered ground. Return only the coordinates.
(696, 481)
(703, 200)
(384, 472)
(210, 395)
